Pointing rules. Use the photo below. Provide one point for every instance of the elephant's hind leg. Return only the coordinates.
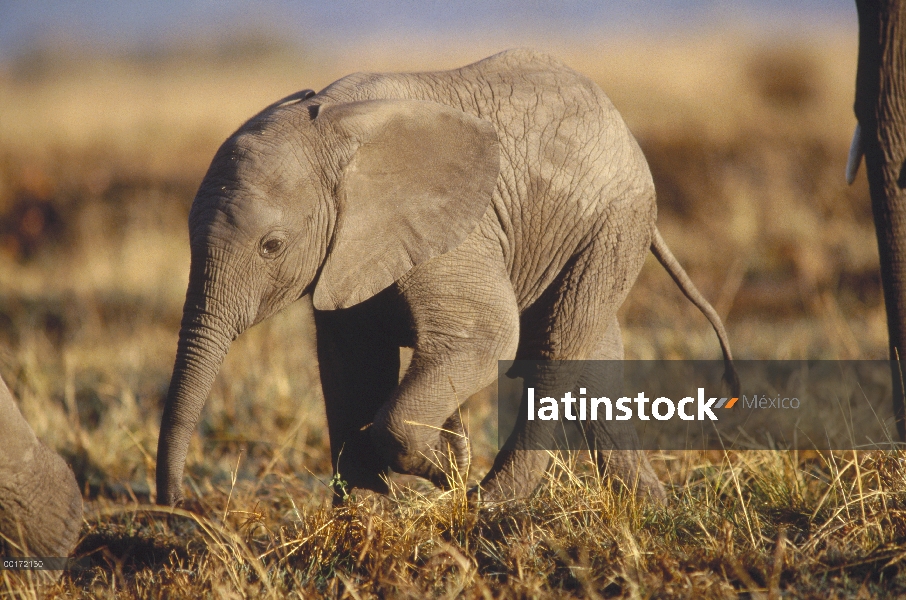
(574, 320)
(524, 458)
(615, 444)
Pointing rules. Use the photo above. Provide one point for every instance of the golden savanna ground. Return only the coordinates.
(99, 160)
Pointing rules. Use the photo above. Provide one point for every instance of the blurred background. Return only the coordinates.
(111, 111)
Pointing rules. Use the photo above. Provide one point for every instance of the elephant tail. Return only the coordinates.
(665, 257)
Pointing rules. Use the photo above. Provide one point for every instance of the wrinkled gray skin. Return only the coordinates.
(40, 503)
(495, 211)
(880, 108)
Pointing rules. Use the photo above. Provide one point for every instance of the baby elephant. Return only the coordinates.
(495, 211)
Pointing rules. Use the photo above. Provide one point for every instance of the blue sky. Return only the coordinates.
(137, 24)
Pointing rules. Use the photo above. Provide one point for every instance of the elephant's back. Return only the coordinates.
(571, 173)
(501, 88)
(570, 168)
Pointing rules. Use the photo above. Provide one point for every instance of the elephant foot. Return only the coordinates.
(514, 476)
(452, 458)
(517, 479)
(483, 501)
(455, 440)
(346, 486)
(359, 465)
(443, 457)
(490, 501)
(369, 501)
(631, 469)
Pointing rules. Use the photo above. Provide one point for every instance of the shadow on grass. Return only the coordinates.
(125, 553)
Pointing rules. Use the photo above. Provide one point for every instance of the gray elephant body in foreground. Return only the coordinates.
(495, 211)
(40, 502)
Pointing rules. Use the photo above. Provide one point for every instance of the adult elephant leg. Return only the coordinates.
(880, 108)
(465, 318)
(359, 366)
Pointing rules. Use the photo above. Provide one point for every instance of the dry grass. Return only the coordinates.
(99, 159)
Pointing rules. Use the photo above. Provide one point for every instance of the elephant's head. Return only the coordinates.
(337, 200)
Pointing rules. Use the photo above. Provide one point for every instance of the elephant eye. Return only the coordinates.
(271, 247)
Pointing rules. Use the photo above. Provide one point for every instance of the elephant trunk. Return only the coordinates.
(208, 327)
(880, 108)
(199, 355)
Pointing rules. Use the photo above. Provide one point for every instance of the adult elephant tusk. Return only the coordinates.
(855, 155)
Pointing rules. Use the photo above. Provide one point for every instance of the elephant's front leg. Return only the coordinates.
(359, 368)
(465, 319)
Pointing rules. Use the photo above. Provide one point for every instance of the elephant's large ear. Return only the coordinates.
(418, 183)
